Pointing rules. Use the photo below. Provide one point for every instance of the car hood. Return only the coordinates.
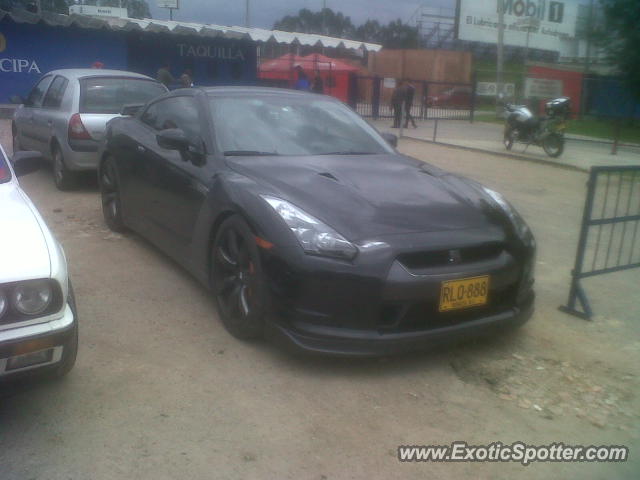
(366, 196)
(23, 247)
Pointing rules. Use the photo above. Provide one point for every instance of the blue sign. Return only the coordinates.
(211, 61)
(28, 51)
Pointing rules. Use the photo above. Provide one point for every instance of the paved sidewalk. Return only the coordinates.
(578, 153)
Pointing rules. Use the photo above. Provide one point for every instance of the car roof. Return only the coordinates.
(228, 90)
(77, 73)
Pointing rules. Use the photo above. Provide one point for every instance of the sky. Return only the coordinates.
(263, 13)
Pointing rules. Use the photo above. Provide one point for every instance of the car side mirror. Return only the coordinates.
(173, 139)
(26, 162)
(17, 100)
(390, 138)
(131, 109)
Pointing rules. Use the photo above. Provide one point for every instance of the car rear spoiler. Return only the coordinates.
(131, 109)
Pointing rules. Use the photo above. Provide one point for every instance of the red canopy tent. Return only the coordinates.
(334, 73)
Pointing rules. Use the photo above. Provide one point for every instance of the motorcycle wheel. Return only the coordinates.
(553, 145)
(509, 138)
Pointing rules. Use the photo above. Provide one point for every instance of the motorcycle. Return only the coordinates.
(522, 126)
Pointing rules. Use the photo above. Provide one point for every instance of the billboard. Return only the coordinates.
(168, 4)
(548, 22)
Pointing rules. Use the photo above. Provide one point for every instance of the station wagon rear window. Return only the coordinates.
(110, 94)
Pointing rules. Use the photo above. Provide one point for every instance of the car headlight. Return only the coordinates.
(519, 225)
(314, 236)
(4, 303)
(32, 298)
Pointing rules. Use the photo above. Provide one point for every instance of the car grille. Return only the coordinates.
(421, 316)
(416, 261)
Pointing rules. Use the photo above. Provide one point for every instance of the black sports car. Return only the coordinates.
(308, 226)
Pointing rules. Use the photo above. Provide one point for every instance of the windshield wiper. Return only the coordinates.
(249, 153)
(347, 152)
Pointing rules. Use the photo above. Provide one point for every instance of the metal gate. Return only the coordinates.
(610, 233)
(371, 97)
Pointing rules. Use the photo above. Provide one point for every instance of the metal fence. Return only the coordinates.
(610, 233)
(371, 97)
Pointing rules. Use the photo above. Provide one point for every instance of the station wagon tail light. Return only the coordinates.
(76, 128)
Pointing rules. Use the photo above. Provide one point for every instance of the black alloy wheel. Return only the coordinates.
(237, 279)
(110, 194)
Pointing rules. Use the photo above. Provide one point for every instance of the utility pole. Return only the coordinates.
(247, 18)
(587, 36)
(324, 25)
(500, 54)
(587, 61)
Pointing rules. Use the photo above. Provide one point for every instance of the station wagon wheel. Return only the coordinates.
(64, 178)
(16, 140)
(237, 279)
(110, 194)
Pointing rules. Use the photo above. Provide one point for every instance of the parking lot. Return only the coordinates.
(161, 390)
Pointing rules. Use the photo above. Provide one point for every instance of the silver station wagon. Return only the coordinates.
(65, 114)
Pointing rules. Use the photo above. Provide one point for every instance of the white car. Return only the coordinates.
(38, 319)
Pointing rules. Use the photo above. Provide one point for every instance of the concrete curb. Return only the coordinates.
(502, 154)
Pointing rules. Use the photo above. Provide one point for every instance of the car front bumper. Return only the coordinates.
(309, 338)
(379, 305)
(53, 337)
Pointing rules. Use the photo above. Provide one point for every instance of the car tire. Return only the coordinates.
(509, 138)
(15, 139)
(64, 178)
(553, 145)
(110, 196)
(237, 279)
(70, 352)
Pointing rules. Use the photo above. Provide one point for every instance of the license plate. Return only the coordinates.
(464, 293)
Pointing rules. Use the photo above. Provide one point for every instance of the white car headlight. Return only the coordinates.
(521, 228)
(4, 303)
(314, 236)
(32, 298)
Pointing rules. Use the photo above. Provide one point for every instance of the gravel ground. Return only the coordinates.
(161, 390)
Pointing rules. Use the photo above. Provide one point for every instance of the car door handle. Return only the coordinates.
(140, 148)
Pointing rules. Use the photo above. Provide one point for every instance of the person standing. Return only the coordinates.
(397, 100)
(303, 81)
(410, 92)
(186, 79)
(318, 84)
(164, 75)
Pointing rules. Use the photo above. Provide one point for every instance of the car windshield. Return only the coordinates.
(110, 94)
(5, 173)
(291, 125)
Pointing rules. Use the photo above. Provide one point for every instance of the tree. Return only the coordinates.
(398, 35)
(327, 22)
(621, 41)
